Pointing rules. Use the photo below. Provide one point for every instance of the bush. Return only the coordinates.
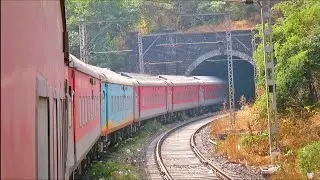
(111, 170)
(256, 144)
(309, 158)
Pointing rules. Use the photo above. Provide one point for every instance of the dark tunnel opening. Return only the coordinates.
(243, 75)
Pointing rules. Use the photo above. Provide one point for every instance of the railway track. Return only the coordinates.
(177, 156)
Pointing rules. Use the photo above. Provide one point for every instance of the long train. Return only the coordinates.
(58, 112)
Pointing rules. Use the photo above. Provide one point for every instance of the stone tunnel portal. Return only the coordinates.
(243, 74)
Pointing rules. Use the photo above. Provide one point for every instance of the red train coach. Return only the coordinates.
(151, 96)
(85, 85)
(212, 91)
(32, 89)
(185, 92)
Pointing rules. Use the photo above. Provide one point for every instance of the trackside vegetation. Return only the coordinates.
(296, 37)
(125, 161)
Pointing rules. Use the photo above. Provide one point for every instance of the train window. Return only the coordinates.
(128, 100)
(118, 104)
(96, 106)
(126, 103)
(92, 109)
(112, 103)
(157, 99)
(122, 103)
(83, 110)
(87, 110)
(118, 101)
(115, 103)
(92, 106)
(80, 111)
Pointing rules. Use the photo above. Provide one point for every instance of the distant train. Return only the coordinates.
(57, 112)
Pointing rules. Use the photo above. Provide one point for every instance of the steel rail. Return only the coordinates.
(158, 157)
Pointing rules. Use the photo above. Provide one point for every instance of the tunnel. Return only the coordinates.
(243, 75)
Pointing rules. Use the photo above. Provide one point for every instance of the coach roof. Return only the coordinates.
(180, 80)
(209, 79)
(145, 80)
(113, 77)
(83, 67)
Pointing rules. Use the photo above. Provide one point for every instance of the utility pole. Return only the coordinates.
(83, 42)
(141, 63)
(230, 69)
(271, 103)
(83, 36)
(269, 79)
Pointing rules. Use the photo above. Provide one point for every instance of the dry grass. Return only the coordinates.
(236, 25)
(293, 134)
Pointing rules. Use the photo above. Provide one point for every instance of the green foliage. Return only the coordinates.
(309, 158)
(256, 144)
(251, 140)
(112, 171)
(143, 16)
(124, 157)
(296, 37)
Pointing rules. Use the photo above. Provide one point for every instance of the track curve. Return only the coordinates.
(176, 154)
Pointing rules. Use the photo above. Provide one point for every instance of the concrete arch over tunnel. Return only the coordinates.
(244, 71)
(214, 53)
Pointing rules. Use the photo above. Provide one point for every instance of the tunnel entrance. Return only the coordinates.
(243, 74)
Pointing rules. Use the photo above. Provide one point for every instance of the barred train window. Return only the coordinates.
(90, 108)
(117, 104)
(80, 111)
(92, 102)
(112, 102)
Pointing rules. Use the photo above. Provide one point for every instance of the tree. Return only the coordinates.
(296, 36)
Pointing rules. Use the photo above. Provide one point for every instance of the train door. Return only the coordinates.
(55, 138)
(70, 143)
(201, 95)
(43, 149)
(136, 103)
(169, 96)
(103, 108)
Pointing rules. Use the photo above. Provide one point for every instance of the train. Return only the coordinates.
(58, 113)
